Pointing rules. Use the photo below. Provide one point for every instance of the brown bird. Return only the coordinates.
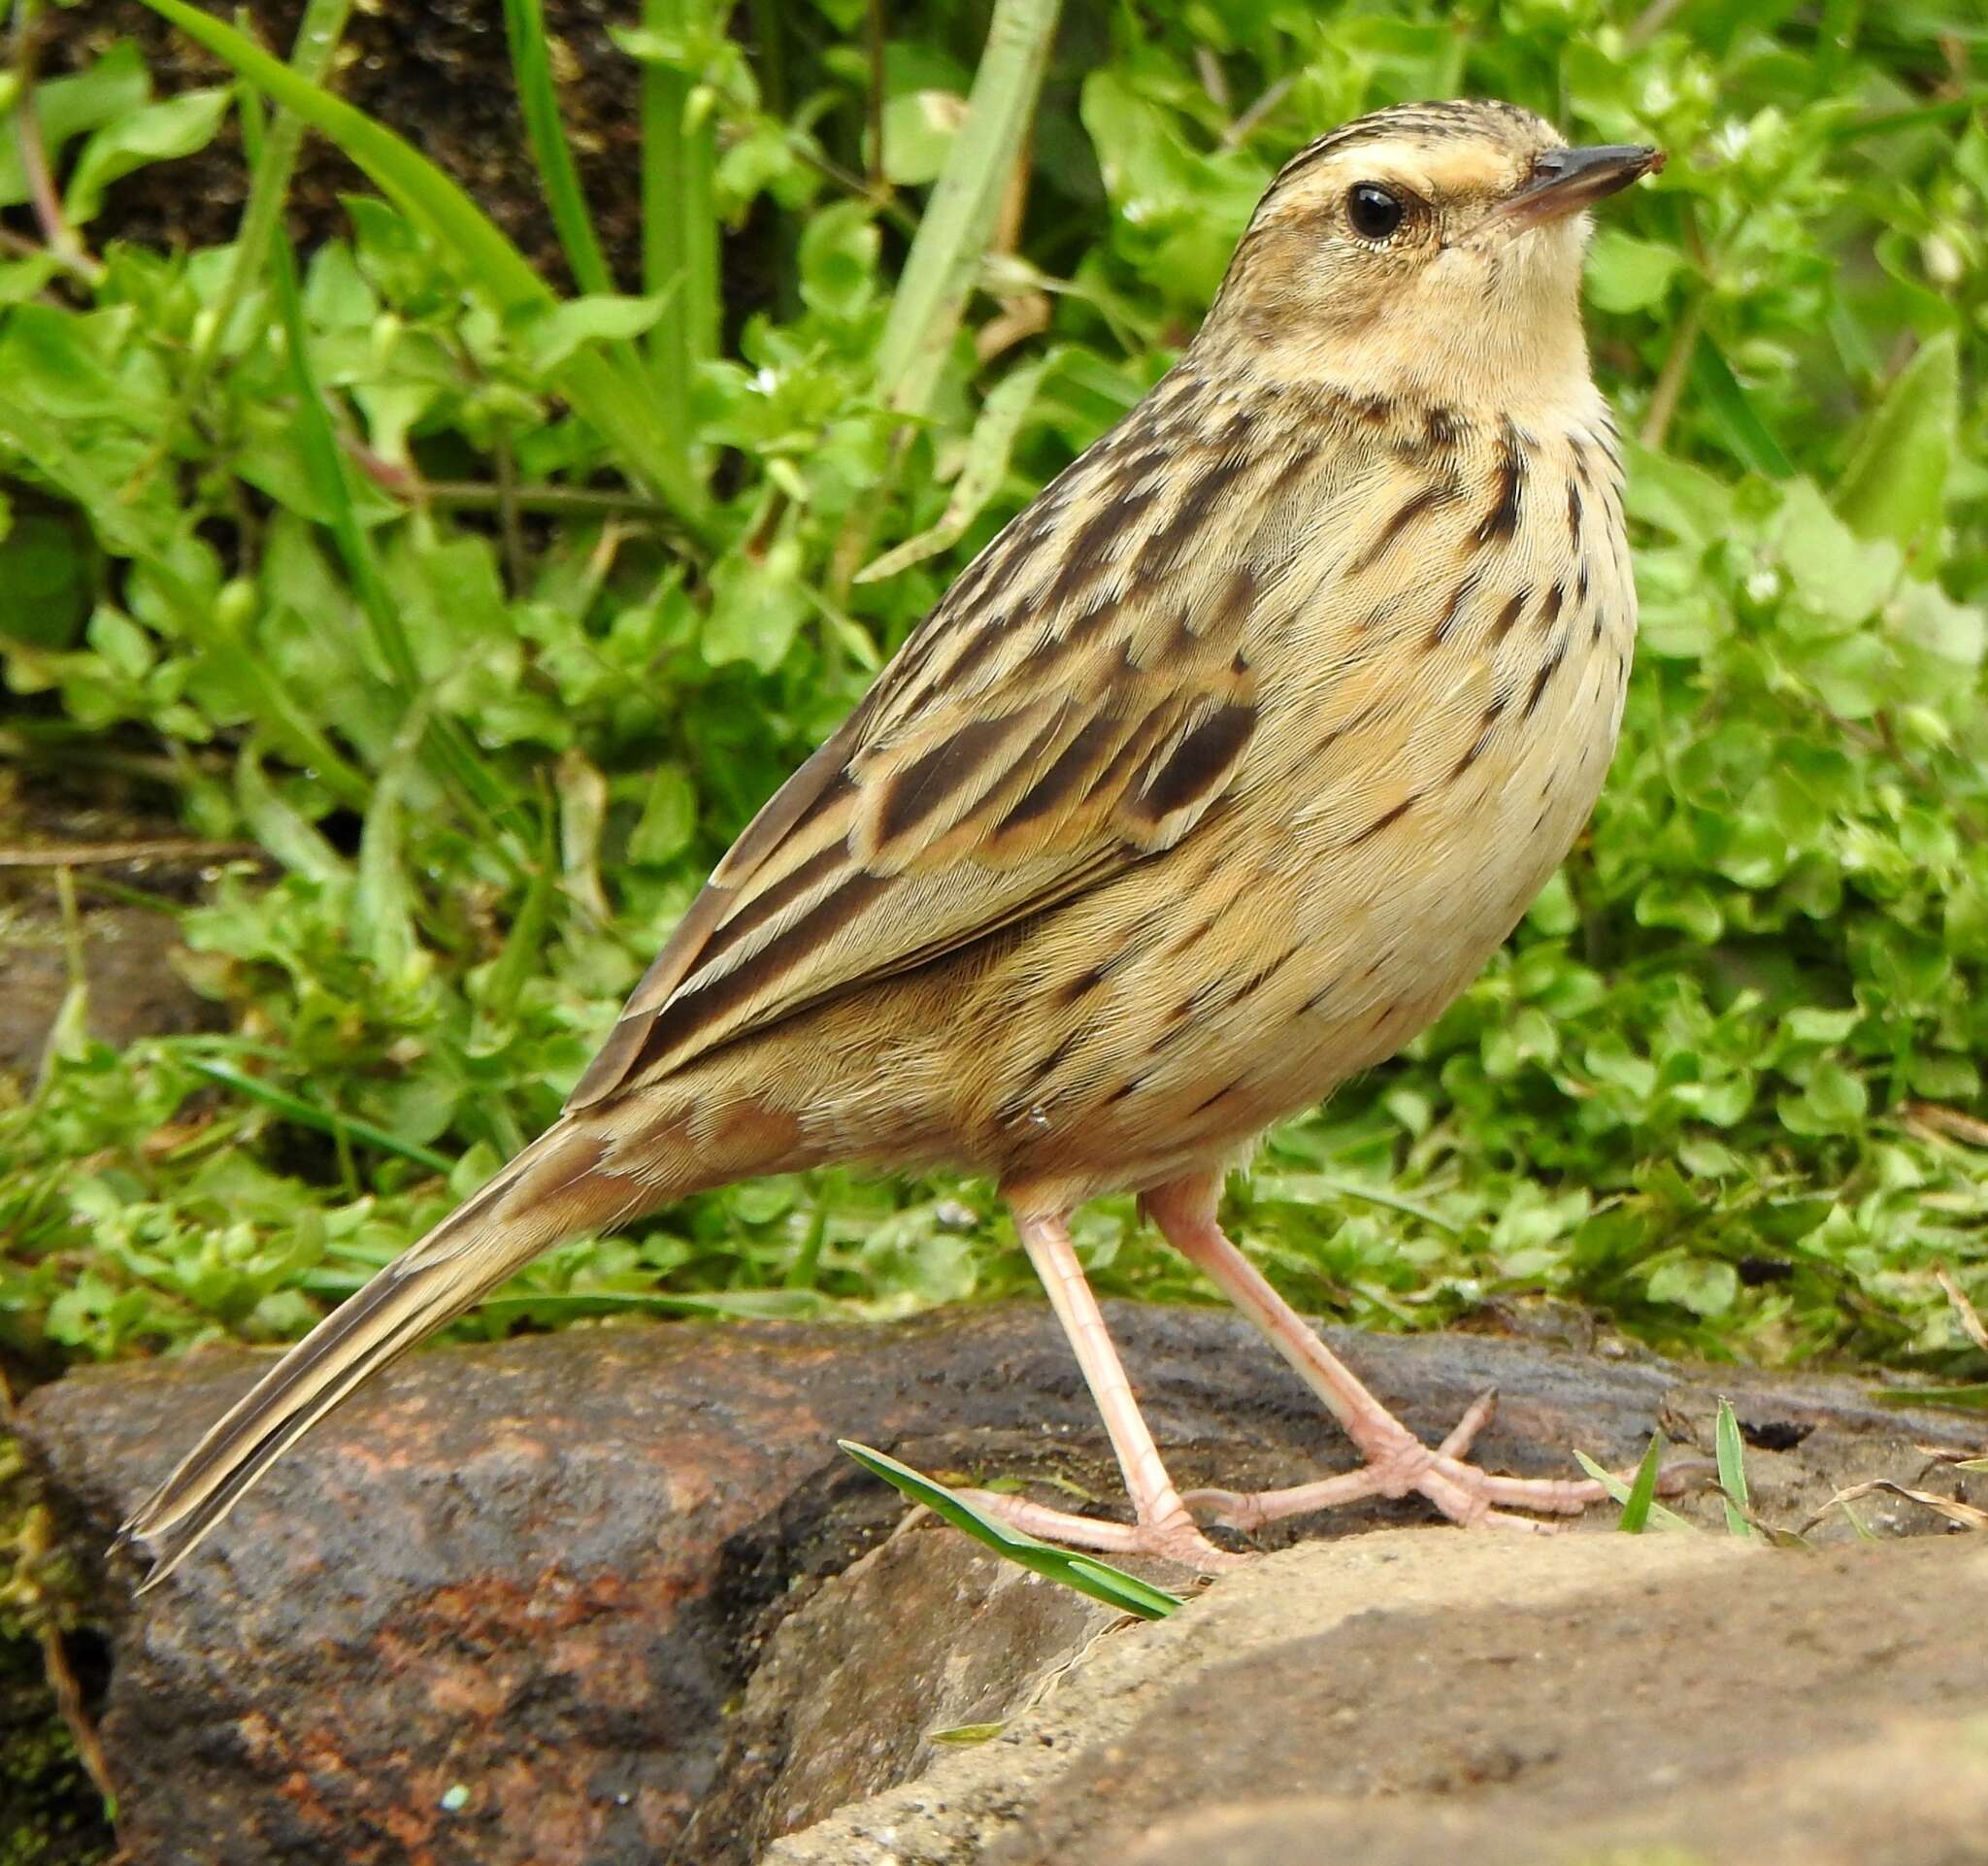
(1214, 778)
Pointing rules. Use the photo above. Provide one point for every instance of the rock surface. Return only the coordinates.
(1406, 1699)
(541, 1600)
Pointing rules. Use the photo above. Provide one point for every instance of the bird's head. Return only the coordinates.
(1430, 251)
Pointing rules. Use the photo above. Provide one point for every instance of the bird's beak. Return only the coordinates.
(1563, 181)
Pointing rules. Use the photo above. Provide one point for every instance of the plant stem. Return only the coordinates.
(874, 20)
(43, 196)
(679, 233)
(531, 65)
(964, 205)
(1671, 377)
(953, 238)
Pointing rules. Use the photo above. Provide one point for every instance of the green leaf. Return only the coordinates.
(1746, 433)
(555, 337)
(1673, 494)
(114, 87)
(1084, 1573)
(1894, 485)
(44, 579)
(1843, 577)
(1626, 274)
(163, 132)
(1732, 1461)
(1643, 1493)
(1650, 1514)
(918, 128)
(668, 817)
(756, 605)
(1706, 1285)
(1833, 1101)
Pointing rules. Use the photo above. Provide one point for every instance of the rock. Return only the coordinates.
(497, 1607)
(129, 957)
(928, 1634)
(1408, 1699)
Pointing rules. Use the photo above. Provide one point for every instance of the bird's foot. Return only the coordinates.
(1398, 1463)
(1174, 1537)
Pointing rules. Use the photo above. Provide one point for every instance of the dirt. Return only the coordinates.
(440, 75)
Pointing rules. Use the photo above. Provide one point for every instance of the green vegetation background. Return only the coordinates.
(486, 609)
(490, 618)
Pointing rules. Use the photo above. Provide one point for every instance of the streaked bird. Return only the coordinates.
(1211, 780)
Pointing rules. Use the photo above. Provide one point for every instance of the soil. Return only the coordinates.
(440, 74)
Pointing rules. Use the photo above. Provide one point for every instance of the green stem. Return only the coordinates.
(327, 1120)
(953, 237)
(531, 65)
(679, 231)
(959, 220)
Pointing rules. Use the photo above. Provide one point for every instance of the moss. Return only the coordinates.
(50, 1813)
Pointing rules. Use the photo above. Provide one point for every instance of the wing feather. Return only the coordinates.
(1073, 706)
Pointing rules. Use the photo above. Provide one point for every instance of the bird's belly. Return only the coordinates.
(1239, 983)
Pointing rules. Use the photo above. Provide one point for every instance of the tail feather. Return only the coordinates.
(549, 1191)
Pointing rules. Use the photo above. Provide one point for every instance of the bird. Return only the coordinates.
(1219, 773)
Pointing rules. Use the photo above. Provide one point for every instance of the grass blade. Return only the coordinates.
(1746, 433)
(1635, 1508)
(1972, 1398)
(1731, 1456)
(524, 27)
(960, 218)
(325, 1120)
(679, 227)
(616, 402)
(1088, 1576)
(1649, 1512)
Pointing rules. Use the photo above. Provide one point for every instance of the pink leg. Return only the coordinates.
(1397, 1461)
(1163, 1525)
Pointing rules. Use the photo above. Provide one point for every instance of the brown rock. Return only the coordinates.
(1408, 1699)
(128, 958)
(497, 1607)
(928, 1634)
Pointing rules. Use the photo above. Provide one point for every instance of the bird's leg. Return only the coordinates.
(1162, 1524)
(1396, 1460)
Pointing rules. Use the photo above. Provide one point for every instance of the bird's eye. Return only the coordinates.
(1373, 211)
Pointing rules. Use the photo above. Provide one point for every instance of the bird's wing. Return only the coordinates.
(1078, 701)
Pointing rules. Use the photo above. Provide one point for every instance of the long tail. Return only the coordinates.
(552, 1190)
